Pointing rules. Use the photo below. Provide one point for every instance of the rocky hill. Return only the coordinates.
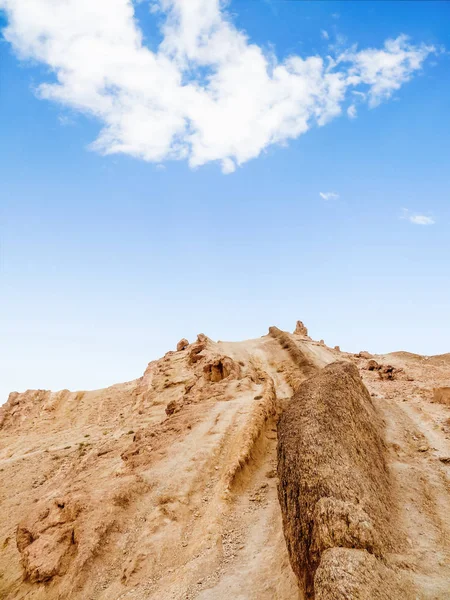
(275, 468)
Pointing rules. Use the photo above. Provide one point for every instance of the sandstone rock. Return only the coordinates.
(221, 368)
(300, 329)
(197, 352)
(345, 524)
(172, 407)
(350, 574)
(46, 540)
(388, 372)
(372, 365)
(20, 407)
(363, 354)
(336, 492)
(441, 395)
(189, 385)
(182, 345)
(337, 348)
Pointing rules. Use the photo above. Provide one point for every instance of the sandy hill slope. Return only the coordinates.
(168, 487)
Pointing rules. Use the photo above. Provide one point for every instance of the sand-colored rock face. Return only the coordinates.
(165, 488)
(442, 395)
(182, 344)
(46, 539)
(346, 573)
(333, 492)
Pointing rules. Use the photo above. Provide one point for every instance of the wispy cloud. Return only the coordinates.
(325, 35)
(207, 93)
(65, 120)
(421, 220)
(417, 219)
(329, 195)
(384, 70)
(351, 111)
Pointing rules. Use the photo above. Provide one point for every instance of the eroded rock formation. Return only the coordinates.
(334, 487)
(442, 395)
(165, 486)
(46, 539)
(300, 329)
(182, 344)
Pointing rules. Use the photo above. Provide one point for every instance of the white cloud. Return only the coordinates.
(207, 93)
(325, 35)
(351, 111)
(417, 219)
(329, 195)
(421, 220)
(228, 166)
(385, 70)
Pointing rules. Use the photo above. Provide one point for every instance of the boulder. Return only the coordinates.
(182, 345)
(388, 372)
(372, 365)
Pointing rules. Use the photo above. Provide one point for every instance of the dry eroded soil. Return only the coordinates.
(165, 487)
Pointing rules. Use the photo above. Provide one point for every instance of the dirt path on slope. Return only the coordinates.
(418, 438)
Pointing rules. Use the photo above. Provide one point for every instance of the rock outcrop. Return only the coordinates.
(182, 344)
(354, 574)
(166, 486)
(301, 330)
(388, 372)
(221, 368)
(334, 488)
(442, 395)
(46, 540)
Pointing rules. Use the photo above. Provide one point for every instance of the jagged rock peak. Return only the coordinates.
(300, 329)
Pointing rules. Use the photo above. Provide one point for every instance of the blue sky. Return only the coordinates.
(108, 259)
